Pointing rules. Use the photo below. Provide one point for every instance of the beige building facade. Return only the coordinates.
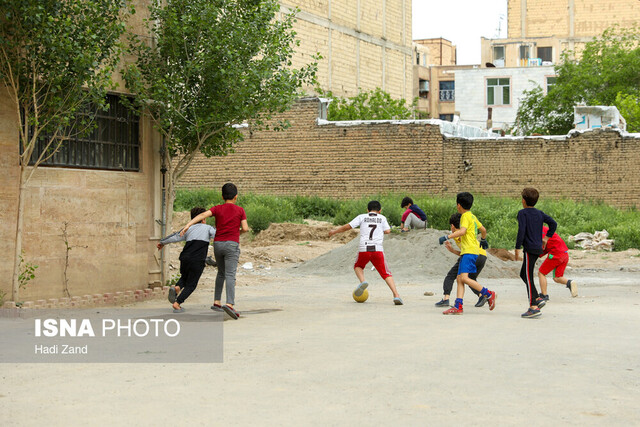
(364, 44)
(539, 31)
(105, 192)
(434, 77)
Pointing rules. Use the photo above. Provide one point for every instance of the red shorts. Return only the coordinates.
(555, 262)
(377, 259)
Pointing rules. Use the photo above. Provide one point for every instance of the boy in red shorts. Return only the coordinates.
(557, 259)
(373, 227)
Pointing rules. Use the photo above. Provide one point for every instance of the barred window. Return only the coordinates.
(112, 144)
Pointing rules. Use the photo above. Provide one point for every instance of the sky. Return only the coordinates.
(461, 21)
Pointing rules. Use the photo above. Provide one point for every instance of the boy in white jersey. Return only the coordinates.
(373, 227)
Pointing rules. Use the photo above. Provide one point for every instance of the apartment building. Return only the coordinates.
(539, 31)
(365, 44)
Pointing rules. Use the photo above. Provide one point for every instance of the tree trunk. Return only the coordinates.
(168, 201)
(15, 291)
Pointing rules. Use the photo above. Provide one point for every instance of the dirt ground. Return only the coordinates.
(304, 353)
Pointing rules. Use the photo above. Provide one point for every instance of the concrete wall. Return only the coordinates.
(365, 44)
(349, 159)
(471, 93)
(110, 218)
(110, 215)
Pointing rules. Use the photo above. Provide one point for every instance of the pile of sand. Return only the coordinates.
(289, 232)
(415, 255)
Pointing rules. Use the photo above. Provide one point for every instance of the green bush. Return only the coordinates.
(188, 199)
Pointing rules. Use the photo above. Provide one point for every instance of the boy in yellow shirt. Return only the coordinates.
(469, 251)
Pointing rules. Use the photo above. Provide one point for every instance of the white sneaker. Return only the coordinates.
(573, 287)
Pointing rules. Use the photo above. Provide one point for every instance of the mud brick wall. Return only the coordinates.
(327, 160)
(349, 159)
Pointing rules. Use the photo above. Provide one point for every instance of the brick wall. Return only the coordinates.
(347, 159)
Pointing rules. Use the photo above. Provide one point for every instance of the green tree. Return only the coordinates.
(607, 66)
(212, 66)
(629, 107)
(369, 105)
(55, 59)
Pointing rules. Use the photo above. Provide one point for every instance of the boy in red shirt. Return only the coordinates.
(231, 221)
(557, 259)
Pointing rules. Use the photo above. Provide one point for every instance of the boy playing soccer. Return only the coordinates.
(447, 285)
(557, 259)
(530, 237)
(373, 227)
(231, 220)
(191, 258)
(469, 251)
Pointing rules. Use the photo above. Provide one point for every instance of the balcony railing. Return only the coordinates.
(447, 95)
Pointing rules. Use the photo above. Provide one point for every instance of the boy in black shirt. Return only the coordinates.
(530, 222)
(192, 258)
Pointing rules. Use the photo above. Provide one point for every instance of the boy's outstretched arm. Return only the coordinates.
(341, 229)
(204, 215)
(171, 238)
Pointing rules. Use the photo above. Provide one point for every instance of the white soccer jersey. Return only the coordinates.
(372, 227)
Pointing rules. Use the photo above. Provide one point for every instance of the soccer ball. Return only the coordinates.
(361, 298)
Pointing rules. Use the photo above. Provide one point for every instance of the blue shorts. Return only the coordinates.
(467, 264)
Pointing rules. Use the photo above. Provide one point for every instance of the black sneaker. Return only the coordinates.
(482, 300)
(541, 302)
(443, 303)
(545, 298)
(210, 261)
(532, 312)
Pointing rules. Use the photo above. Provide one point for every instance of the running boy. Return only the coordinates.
(373, 227)
(413, 216)
(231, 221)
(469, 251)
(557, 260)
(192, 258)
(447, 285)
(530, 237)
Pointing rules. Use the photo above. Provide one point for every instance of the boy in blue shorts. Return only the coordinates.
(452, 275)
(469, 251)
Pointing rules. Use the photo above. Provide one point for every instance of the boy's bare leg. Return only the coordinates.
(562, 280)
(460, 287)
(542, 279)
(359, 273)
(392, 285)
(469, 281)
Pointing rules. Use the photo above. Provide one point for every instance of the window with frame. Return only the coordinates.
(498, 56)
(112, 144)
(423, 88)
(545, 54)
(447, 91)
(550, 82)
(446, 117)
(524, 52)
(498, 91)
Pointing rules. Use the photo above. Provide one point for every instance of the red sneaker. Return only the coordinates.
(492, 300)
(453, 310)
